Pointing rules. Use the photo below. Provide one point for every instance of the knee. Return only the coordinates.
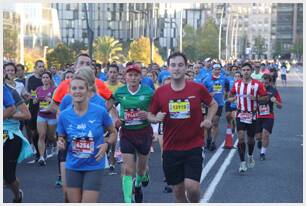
(127, 170)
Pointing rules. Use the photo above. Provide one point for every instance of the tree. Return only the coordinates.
(60, 56)
(10, 41)
(77, 47)
(259, 45)
(140, 51)
(297, 48)
(201, 43)
(107, 49)
(30, 57)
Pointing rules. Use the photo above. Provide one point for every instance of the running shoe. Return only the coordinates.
(259, 144)
(146, 179)
(42, 161)
(138, 195)
(167, 189)
(59, 182)
(243, 167)
(19, 200)
(112, 170)
(212, 146)
(251, 161)
(262, 156)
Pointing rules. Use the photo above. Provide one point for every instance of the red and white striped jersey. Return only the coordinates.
(244, 92)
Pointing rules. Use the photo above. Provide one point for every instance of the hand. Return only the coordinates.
(143, 115)
(273, 99)
(118, 123)
(101, 152)
(160, 116)
(48, 99)
(61, 143)
(206, 123)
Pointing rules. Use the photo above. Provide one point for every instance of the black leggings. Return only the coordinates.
(11, 151)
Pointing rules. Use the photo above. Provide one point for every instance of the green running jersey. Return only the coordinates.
(131, 104)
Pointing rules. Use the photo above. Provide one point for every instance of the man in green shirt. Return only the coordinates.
(136, 133)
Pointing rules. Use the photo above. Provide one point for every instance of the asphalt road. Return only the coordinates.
(278, 179)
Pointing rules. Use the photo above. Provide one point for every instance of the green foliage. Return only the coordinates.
(60, 55)
(259, 45)
(77, 47)
(140, 51)
(107, 49)
(201, 43)
(10, 41)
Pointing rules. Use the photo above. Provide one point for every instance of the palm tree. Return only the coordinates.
(107, 49)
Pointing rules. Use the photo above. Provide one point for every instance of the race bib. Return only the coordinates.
(83, 147)
(5, 135)
(43, 105)
(217, 88)
(245, 117)
(264, 109)
(33, 94)
(131, 117)
(179, 109)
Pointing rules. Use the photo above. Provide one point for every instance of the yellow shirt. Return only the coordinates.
(114, 88)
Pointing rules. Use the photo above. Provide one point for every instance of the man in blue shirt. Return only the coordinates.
(217, 84)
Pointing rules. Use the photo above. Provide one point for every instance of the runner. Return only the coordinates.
(46, 120)
(217, 85)
(136, 133)
(178, 106)
(80, 131)
(32, 83)
(257, 74)
(283, 71)
(113, 84)
(265, 116)
(248, 91)
(16, 147)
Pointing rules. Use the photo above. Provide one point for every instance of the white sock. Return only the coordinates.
(263, 150)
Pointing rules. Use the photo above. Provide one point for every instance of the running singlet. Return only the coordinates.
(42, 96)
(130, 105)
(265, 110)
(63, 88)
(83, 135)
(245, 106)
(217, 86)
(114, 88)
(181, 126)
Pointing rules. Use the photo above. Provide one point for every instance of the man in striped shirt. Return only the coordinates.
(247, 92)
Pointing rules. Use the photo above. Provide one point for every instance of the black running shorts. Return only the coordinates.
(139, 140)
(250, 128)
(264, 123)
(179, 165)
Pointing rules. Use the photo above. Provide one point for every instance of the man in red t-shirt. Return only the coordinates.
(265, 115)
(246, 92)
(178, 106)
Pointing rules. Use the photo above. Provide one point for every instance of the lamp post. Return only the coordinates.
(90, 32)
(220, 31)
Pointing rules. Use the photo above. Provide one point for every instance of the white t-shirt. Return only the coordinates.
(283, 70)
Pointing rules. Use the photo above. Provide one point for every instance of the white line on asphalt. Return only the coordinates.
(211, 162)
(212, 186)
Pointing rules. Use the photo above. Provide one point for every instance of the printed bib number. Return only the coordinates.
(131, 117)
(179, 109)
(264, 109)
(5, 135)
(217, 88)
(245, 117)
(43, 105)
(82, 147)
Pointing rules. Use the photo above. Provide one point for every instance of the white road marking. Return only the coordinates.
(212, 186)
(211, 162)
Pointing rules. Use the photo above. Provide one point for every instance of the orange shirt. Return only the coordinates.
(63, 89)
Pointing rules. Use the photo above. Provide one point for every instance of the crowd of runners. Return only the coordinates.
(95, 117)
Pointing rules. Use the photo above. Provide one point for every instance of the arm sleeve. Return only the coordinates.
(205, 96)
(103, 90)
(155, 104)
(60, 126)
(7, 97)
